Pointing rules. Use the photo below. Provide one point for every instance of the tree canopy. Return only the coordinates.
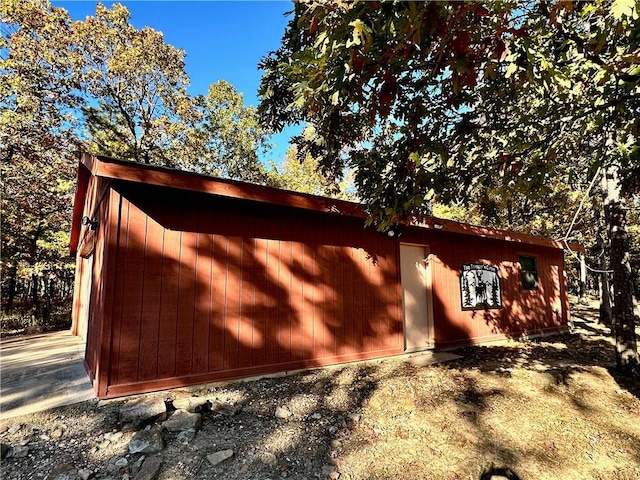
(229, 136)
(304, 175)
(139, 82)
(499, 104)
(103, 86)
(429, 97)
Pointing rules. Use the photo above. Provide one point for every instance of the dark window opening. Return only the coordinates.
(528, 272)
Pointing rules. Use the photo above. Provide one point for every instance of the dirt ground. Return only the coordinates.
(553, 408)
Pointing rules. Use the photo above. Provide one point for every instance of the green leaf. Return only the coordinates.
(360, 33)
(621, 8)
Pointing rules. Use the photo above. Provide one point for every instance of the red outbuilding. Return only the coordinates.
(184, 279)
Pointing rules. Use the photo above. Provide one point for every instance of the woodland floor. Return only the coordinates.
(552, 408)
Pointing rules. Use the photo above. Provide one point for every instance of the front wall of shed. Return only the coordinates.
(207, 288)
(524, 312)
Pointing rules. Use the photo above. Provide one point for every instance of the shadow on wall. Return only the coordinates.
(248, 312)
(201, 288)
(522, 313)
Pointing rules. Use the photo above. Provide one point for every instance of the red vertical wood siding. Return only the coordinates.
(524, 312)
(96, 207)
(189, 288)
(208, 288)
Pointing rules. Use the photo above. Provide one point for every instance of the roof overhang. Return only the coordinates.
(136, 173)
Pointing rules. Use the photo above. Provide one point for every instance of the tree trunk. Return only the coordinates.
(11, 294)
(605, 292)
(33, 259)
(582, 282)
(35, 291)
(603, 277)
(627, 358)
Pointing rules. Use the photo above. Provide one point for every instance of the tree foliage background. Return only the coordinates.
(501, 113)
(101, 86)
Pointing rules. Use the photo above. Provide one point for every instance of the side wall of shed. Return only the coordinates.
(523, 312)
(91, 276)
(206, 288)
(99, 212)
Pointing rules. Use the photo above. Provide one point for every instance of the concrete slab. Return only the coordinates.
(423, 359)
(40, 372)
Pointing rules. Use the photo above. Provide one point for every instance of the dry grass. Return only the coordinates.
(547, 410)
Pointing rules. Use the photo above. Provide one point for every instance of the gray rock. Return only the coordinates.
(122, 462)
(327, 470)
(192, 404)
(14, 428)
(113, 436)
(228, 410)
(143, 409)
(63, 472)
(316, 416)
(111, 467)
(181, 421)
(85, 474)
(186, 436)
(4, 450)
(269, 458)
(150, 469)
(71, 475)
(147, 441)
(283, 412)
(137, 465)
(355, 417)
(219, 457)
(20, 452)
(333, 429)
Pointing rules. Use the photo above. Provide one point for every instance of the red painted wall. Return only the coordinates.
(207, 288)
(524, 312)
(189, 288)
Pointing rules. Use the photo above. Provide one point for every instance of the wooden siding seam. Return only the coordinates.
(196, 288)
(159, 351)
(126, 242)
(177, 321)
(278, 335)
(238, 348)
(104, 379)
(224, 315)
(143, 281)
(313, 300)
(254, 299)
(290, 306)
(211, 299)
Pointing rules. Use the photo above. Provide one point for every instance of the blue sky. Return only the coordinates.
(222, 40)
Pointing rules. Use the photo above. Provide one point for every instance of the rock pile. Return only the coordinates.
(144, 427)
(255, 431)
